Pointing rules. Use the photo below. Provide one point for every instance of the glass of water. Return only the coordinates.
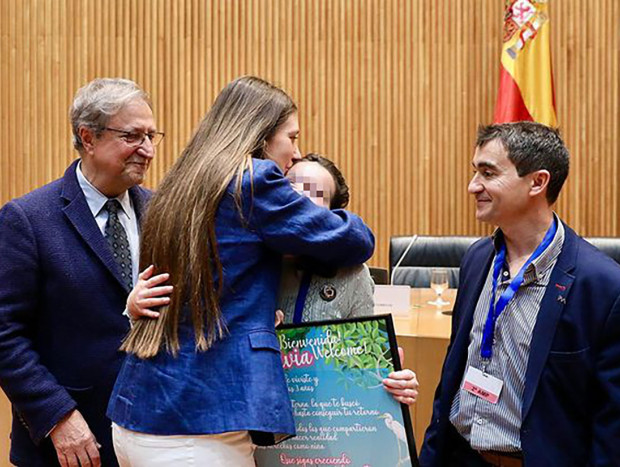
(439, 283)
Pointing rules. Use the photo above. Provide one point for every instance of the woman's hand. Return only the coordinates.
(403, 385)
(148, 293)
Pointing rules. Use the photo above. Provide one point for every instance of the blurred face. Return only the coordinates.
(282, 146)
(110, 161)
(501, 195)
(314, 181)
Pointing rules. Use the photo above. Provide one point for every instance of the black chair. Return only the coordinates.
(424, 254)
(379, 275)
(608, 245)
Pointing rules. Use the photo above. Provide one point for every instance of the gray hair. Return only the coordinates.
(98, 101)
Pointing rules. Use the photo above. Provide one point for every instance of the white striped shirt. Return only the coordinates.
(496, 427)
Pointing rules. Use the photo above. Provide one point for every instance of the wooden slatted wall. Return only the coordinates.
(393, 90)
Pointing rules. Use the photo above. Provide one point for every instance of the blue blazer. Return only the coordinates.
(238, 384)
(61, 323)
(571, 402)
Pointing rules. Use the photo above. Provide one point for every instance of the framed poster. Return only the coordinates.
(343, 414)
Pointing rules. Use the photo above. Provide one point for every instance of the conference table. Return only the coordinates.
(424, 333)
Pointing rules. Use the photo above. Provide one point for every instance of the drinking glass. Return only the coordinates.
(439, 283)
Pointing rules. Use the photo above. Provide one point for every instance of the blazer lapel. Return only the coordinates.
(475, 284)
(551, 309)
(80, 216)
(464, 308)
(139, 197)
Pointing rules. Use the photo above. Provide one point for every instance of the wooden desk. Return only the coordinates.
(424, 319)
(5, 430)
(424, 335)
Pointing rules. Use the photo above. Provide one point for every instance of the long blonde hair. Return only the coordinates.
(178, 233)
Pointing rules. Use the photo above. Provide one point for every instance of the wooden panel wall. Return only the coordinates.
(393, 90)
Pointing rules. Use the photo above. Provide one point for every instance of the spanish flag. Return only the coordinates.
(526, 81)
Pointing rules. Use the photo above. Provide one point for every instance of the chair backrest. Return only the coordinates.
(426, 253)
(379, 275)
(608, 245)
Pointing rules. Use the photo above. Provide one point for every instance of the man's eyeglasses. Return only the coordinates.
(136, 138)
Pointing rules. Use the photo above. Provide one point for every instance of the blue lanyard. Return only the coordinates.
(496, 309)
(301, 297)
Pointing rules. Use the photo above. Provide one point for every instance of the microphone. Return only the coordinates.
(402, 257)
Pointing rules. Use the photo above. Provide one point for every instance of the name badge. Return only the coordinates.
(482, 385)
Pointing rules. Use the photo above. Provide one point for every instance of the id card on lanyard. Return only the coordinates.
(479, 382)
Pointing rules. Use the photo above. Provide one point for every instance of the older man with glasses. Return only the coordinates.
(69, 258)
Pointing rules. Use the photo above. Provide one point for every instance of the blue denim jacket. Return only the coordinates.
(238, 384)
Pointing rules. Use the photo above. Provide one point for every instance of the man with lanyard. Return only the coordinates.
(532, 373)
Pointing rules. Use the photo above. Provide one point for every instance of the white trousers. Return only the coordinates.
(133, 449)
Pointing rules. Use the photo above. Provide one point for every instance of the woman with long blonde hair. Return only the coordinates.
(204, 381)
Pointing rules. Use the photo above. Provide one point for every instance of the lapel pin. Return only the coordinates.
(560, 287)
(328, 292)
(561, 299)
